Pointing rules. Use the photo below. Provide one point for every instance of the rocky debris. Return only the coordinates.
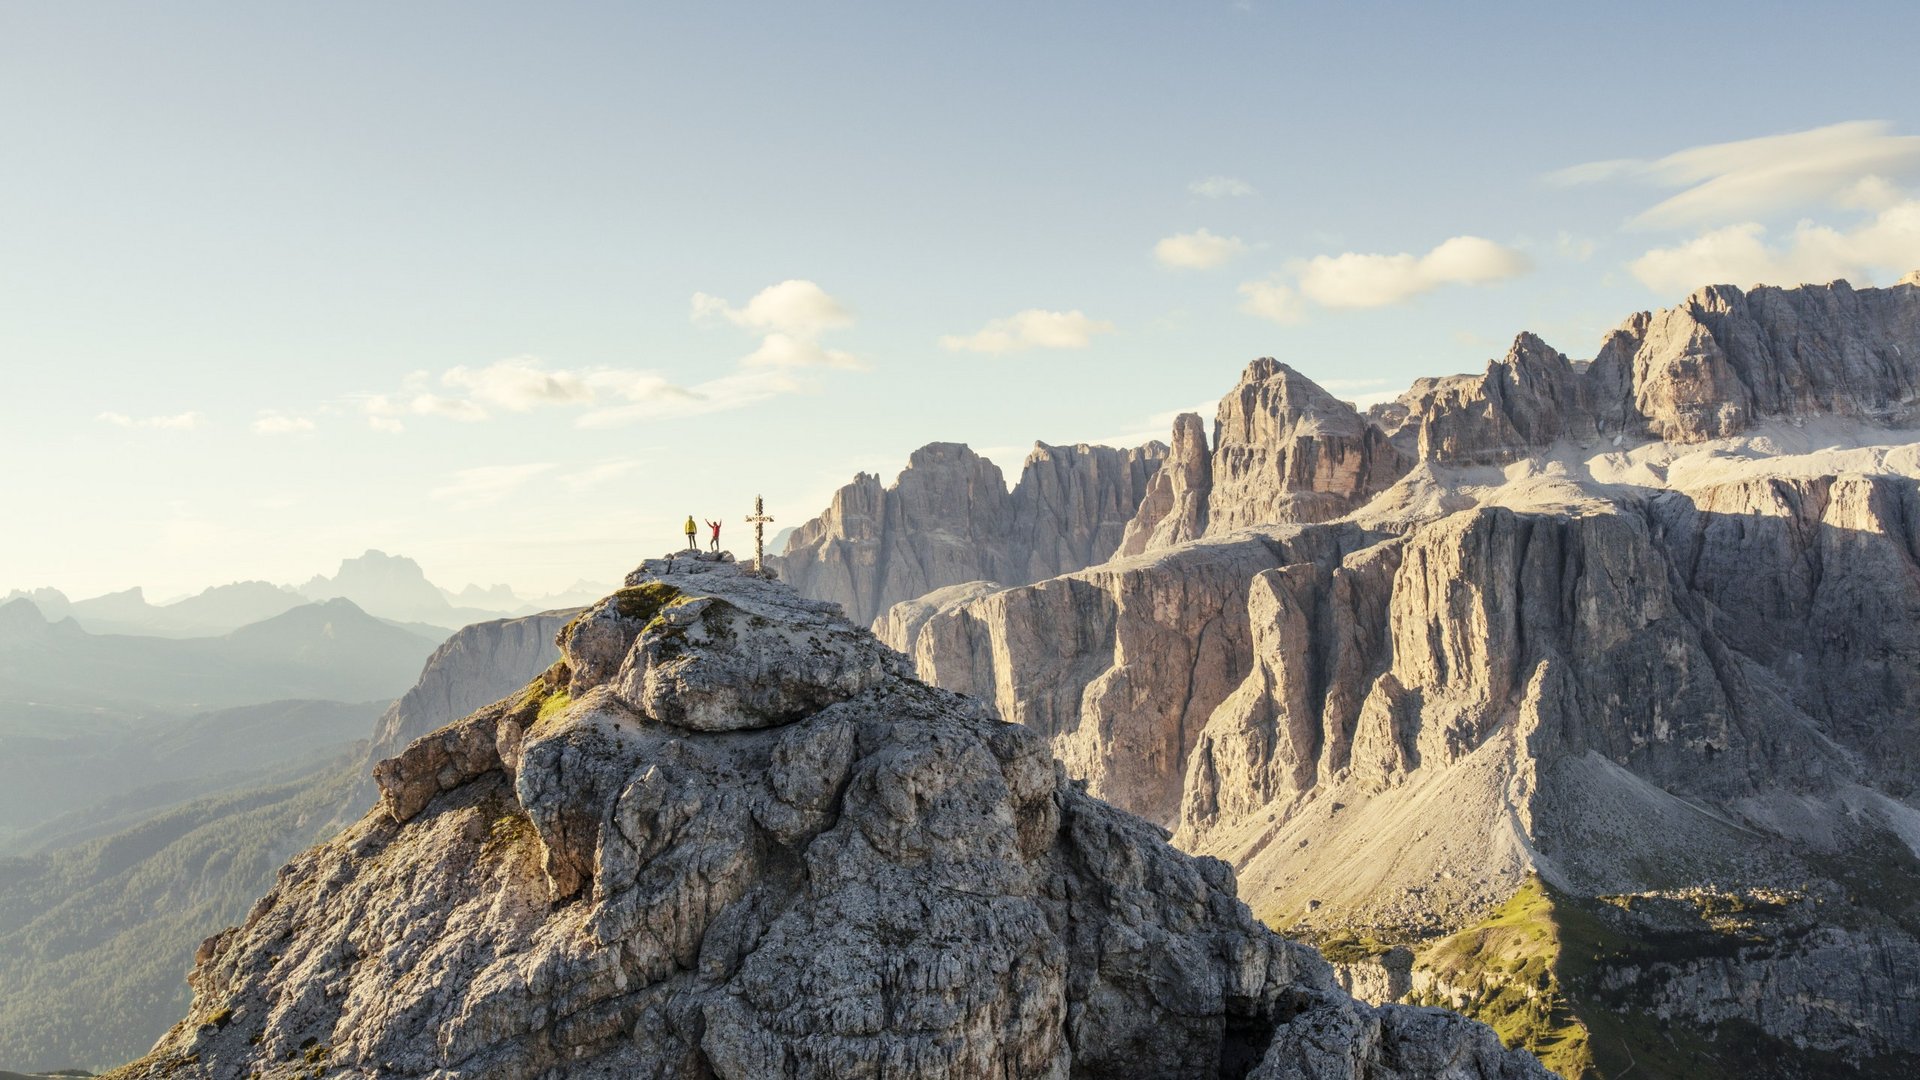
(872, 877)
(949, 519)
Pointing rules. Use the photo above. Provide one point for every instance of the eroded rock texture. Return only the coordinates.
(725, 836)
(949, 519)
(1284, 450)
(1643, 627)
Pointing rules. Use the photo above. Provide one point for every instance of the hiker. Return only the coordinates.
(714, 544)
(691, 531)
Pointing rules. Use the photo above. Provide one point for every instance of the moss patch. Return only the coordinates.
(643, 603)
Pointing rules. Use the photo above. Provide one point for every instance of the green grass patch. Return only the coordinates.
(1349, 946)
(643, 603)
(1506, 968)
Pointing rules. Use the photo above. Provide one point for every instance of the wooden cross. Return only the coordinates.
(759, 522)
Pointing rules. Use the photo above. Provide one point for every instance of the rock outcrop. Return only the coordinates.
(725, 836)
(1285, 450)
(481, 662)
(949, 519)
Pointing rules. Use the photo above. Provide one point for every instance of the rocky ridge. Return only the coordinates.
(725, 835)
(1635, 625)
(949, 519)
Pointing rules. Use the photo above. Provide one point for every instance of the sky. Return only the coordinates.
(514, 289)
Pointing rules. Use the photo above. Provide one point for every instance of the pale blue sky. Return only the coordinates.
(281, 212)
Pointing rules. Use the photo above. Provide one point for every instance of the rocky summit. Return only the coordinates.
(727, 835)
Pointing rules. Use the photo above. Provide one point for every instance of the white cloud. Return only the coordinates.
(1740, 254)
(382, 413)
(734, 391)
(796, 307)
(1197, 250)
(462, 409)
(1354, 280)
(788, 317)
(485, 485)
(1030, 329)
(185, 421)
(518, 384)
(785, 351)
(1221, 187)
(1273, 300)
(273, 422)
(1737, 181)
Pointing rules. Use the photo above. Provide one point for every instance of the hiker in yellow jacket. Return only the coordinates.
(691, 531)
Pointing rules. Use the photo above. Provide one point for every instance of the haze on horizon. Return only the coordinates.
(513, 292)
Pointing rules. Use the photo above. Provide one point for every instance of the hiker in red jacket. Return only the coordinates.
(714, 544)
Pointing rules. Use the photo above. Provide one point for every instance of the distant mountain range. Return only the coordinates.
(331, 650)
(386, 586)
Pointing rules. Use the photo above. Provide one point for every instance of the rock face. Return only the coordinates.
(949, 519)
(725, 837)
(1285, 450)
(1636, 626)
(1120, 664)
(480, 663)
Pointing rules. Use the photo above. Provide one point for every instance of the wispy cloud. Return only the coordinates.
(1030, 329)
(788, 316)
(1736, 198)
(185, 421)
(1197, 250)
(518, 385)
(486, 485)
(1752, 178)
(1221, 187)
(274, 422)
(734, 391)
(578, 481)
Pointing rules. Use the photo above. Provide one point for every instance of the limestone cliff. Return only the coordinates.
(1284, 450)
(1638, 629)
(949, 519)
(725, 837)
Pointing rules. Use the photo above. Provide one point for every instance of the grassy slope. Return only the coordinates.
(1534, 972)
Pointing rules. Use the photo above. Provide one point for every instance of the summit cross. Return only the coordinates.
(759, 521)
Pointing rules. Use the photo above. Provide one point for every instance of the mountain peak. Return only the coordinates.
(733, 838)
